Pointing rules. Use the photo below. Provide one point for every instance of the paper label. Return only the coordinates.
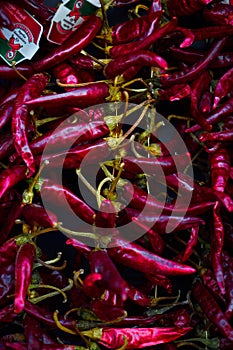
(22, 42)
(69, 16)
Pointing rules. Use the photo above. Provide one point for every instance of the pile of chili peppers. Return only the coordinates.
(163, 290)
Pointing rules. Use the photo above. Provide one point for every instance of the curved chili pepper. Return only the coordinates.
(158, 223)
(185, 7)
(74, 44)
(223, 87)
(191, 244)
(216, 116)
(5, 113)
(136, 338)
(140, 58)
(212, 32)
(20, 117)
(223, 60)
(66, 75)
(23, 272)
(35, 214)
(79, 246)
(134, 29)
(83, 96)
(101, 263)
(136, 257)
(196, 69)
(118, 50)
(199, 86)
(51, 192)
(209, 281)
(219, 14)
(216, 247)
(7, 72)
(206, 102)
(75, 134)
(6, 145)
(11, 176)
(212, 310)
(175, 92)
(220, 169)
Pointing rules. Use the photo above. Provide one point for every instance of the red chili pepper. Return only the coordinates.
(212, 310)
(83, 96)
(5, 113)
(228, 273)
(136, 257)
(191, 244)
(134, 29)
(140, 58)
(105, 311)
(6, 72)
(72, 133)
(206, 102)
(118, 50)
(51, 192)
(223, 60)
(20, 117)
(158, 223)
(219, 14)
(6, 145)
(74, 44)
(101, 263)
(223, 87)
(220, 169)
(223, 136)
(79, 246)
(9, 219)
(23, 272)
(74, 156)
(212, 32)
(136, 338)
(185, 7)
(35, 214)
(138, 297)
(210, 282)
(175, 92)
(199, 86)
(11, 176)
(66, 75)
(216, 116)
(196, 69)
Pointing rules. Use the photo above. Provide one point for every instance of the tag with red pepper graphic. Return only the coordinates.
(22, 42)
(69, 16)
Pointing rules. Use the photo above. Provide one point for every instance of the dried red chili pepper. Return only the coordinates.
(135, 338)
(206, 102)
(192, 242)
(219, 14)
(23, 272)
(11, 176)
(20, 117)
(6, 72)
(199, 86)
(212, 310)
(140, 58)
(9, 220)
(81, 97)
(185, 7)
(35, 214)
(223, 87)
(118, 50)
(69, 134)
(210, 282)
(134, 29)
(175, 92)
(6, 145)
(196, 69)
(220, 169)
(212, 32)
(223, 136)
(66, 75)
(51, 192)
(5, 113)
(136, 257)
(74, 44)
